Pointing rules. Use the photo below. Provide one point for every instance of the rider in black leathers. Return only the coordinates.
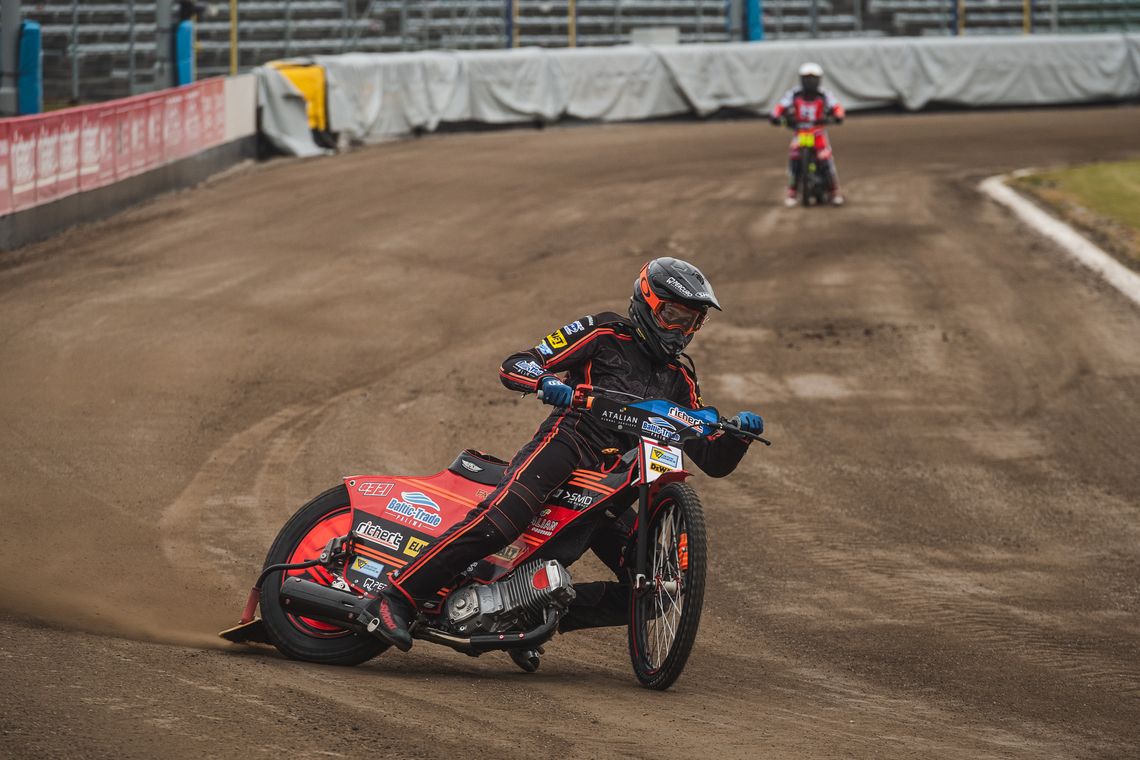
(640, 355)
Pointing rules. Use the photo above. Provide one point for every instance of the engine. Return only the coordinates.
(516, 602)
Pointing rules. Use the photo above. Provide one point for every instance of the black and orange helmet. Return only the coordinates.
(671, 300)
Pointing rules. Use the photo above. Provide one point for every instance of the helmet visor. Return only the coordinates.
(676, 316)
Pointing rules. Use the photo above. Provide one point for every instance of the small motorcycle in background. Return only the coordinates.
(813, 182)
(810, 142)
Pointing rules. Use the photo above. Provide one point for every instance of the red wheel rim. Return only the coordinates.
(335, 523)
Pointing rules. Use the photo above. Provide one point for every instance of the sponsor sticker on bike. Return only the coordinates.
(414, 506)
(544, 526)
(370, 488)
(415, 546)
(367, 567)
(660, 428)
(681, 415)
(508, 553)
(657, 460)
(390, 539)
(620, 418)
(664, 457)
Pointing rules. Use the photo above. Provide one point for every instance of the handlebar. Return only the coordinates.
(582, 399)
(783, 120)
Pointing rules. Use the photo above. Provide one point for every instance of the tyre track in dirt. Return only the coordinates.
(937, 559)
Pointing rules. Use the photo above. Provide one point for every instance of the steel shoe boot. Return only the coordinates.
(389, 614)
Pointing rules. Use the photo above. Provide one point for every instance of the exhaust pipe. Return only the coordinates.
(312, 600)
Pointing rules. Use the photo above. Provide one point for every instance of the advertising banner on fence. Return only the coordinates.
(51, 156)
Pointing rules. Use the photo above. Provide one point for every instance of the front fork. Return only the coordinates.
(639, 579)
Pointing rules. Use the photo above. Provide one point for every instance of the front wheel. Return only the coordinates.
(303, 537)
(664, 616)
(806, 186)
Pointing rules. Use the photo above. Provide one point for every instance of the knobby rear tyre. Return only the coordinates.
(299, 638)
(662, 625)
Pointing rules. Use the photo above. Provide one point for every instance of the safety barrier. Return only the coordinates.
(117, 148)
(376, 96)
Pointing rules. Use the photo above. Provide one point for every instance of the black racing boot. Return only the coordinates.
(390, 613)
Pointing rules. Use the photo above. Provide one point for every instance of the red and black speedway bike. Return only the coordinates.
(810, 141)
(336, 552)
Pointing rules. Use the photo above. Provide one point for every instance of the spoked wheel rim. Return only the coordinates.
(662, 603)
(335, 523)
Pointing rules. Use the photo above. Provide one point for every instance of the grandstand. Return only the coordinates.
(97, 50)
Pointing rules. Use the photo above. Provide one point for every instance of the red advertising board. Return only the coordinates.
(192, 121)
(5, 184)
(67, 181)
(91, 148)
(172, 127)
(22, 162)
(154, 111)
(47, 158)
(50, 156)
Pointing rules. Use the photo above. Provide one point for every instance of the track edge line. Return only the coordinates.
(1072, 242)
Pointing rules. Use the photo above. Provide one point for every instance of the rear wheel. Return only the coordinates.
(664, 616)
(303, 537)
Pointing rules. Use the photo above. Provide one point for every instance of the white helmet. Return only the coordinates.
(810, 76)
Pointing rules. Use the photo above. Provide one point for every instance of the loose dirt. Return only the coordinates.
(938, 558)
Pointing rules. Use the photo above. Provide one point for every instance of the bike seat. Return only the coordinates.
(479, 466)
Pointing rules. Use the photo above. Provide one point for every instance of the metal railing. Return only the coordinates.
(98, 48)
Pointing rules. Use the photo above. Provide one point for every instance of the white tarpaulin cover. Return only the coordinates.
(375, 96)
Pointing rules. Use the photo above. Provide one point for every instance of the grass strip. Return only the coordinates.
(1101, 200)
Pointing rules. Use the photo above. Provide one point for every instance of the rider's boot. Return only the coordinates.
(790, 198)
(389, 615)
(837, 198)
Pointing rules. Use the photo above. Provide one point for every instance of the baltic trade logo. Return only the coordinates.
(414, 506)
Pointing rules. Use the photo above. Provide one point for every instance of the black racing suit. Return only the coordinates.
(600, 350)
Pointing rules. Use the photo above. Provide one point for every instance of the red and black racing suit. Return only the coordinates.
(600, 350)
(810, 110)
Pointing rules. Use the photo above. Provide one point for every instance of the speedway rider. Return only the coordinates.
(640, 355)
(804, 107)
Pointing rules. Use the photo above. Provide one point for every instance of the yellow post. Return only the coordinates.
(1026, 16)
(233, 37)
(961, 17)
(572, 22)
(514, 23)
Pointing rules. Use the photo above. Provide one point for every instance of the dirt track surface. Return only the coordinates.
(939, 558)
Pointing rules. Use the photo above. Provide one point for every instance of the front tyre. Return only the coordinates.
(664, 616)
(303, 537)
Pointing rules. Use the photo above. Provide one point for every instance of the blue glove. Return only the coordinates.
(555, 392)
(750, 422)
